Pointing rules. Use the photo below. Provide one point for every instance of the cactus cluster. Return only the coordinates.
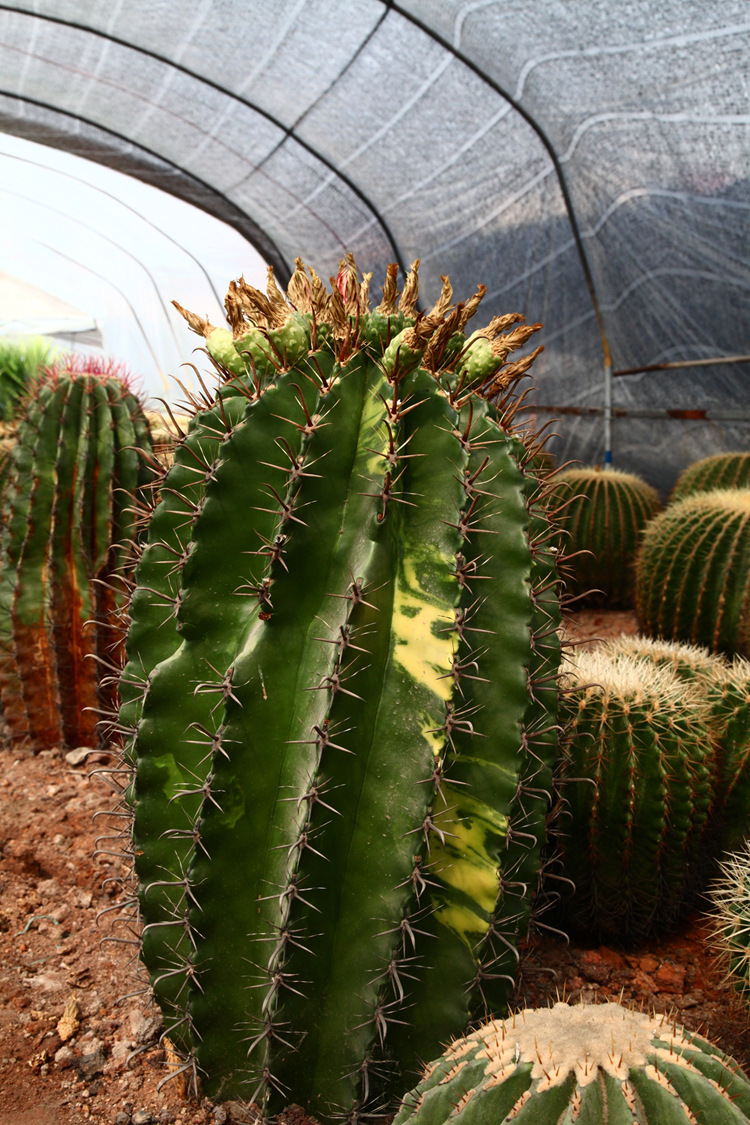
(693, 572)
(340, 701)
(599, 1064)
(602, 515)
(638, 758)
(68, 520)
(722, 471)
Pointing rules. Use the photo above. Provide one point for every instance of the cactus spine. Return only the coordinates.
(603, 514)
(601, 1064)
(68, 522)
(341, 693)
(633, 841)
(693, 572)
(711, 474)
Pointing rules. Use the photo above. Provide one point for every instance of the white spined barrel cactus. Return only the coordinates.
(599, 1064)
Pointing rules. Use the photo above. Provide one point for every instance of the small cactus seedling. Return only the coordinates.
(69, 519)
(603, 515)
(341, 694)
(723, 470)
(597, 1064)
(730, 898)
(693, 572)
(638, 753)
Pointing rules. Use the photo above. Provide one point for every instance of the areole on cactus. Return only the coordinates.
(597, 1064)
(341, 693)
(77, 470)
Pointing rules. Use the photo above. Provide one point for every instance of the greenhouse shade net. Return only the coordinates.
(586, 161)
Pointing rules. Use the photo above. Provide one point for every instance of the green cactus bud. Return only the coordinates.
(693, 572)
(603, 515)
(638, 759)
(710, 474)
(599, 1064)
(343, 708)
(69, 518)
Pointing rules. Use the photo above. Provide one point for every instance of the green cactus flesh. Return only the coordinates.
(602, 515)
(69, 518)
(341, 693)
(637, 774)
(693, 572)
(599, 1064)
(721, 471)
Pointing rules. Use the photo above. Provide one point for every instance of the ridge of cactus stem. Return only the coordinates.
(410, 637)
(469, 841)
(27, 571)
(157, 574)
(210, 620)
(69, 593)
(311, 731)
(11, 539)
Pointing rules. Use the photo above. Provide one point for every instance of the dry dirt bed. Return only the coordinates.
(107, 1066)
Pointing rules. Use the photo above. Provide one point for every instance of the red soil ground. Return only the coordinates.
(108, 1070)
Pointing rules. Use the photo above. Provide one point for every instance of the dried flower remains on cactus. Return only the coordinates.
(341, 693)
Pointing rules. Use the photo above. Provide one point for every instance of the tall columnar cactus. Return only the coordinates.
(341, 693)
(599, 1064)
(638, 753)
(723, 470)
(603, 515)
(730, 899)
(68, 521)
(693, 572)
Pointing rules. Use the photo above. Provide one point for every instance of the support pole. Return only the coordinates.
(607, 415)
